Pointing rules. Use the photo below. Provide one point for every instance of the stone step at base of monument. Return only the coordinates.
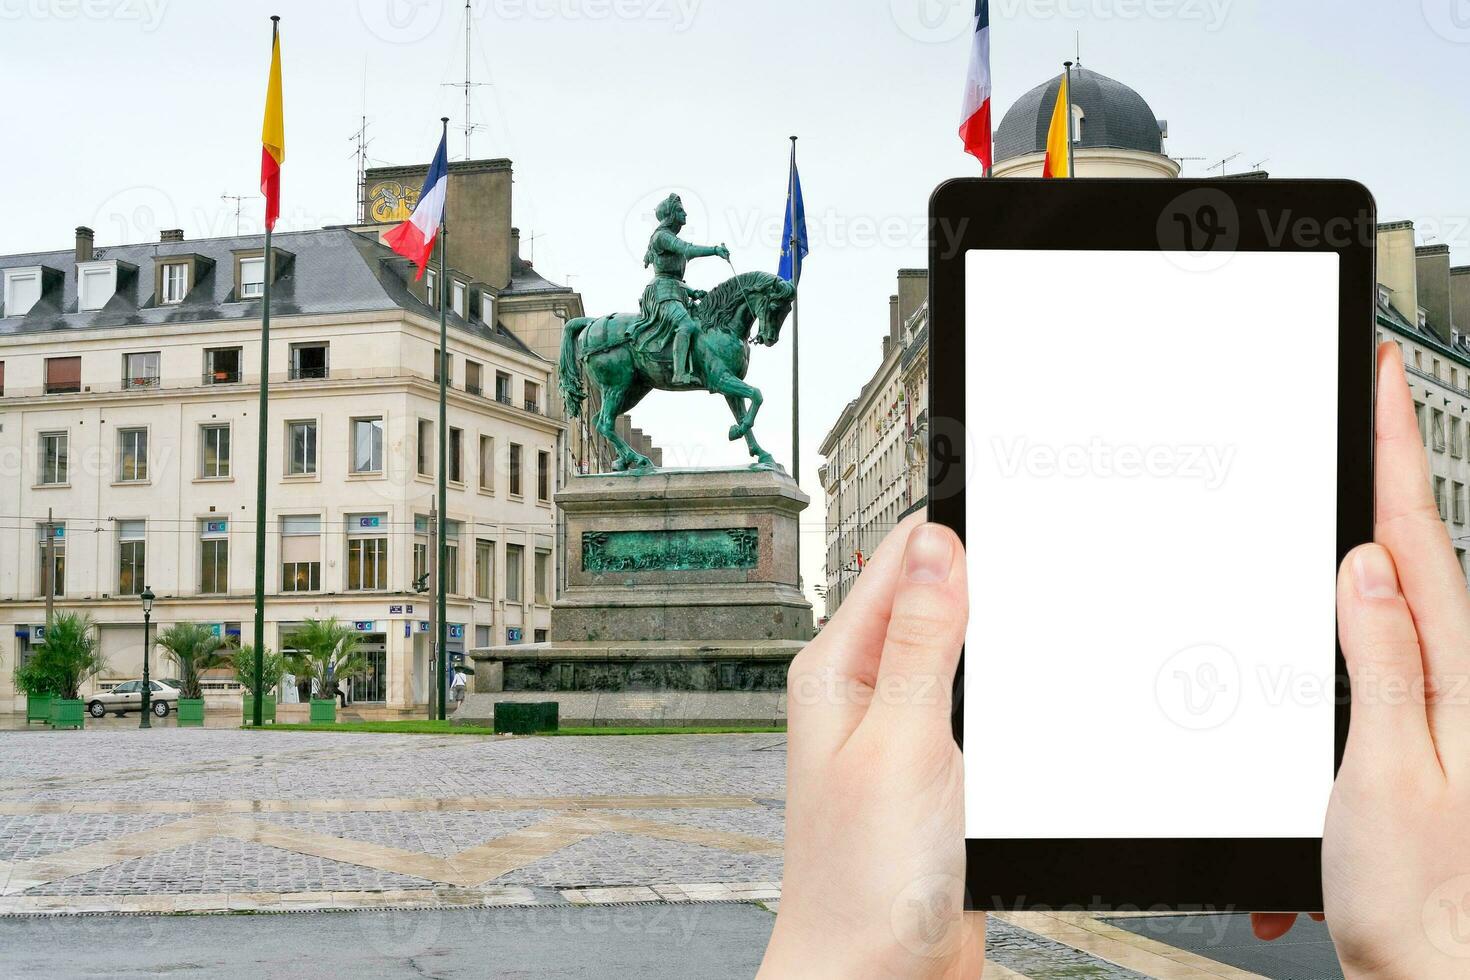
(652, 709)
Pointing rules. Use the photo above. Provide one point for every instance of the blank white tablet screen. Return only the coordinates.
(1150, 515)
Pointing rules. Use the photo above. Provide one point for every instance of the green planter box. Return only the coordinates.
(191, 712)
(38, 708)
(526, 718)
(267, 709)
(67, 714)
(324, 711)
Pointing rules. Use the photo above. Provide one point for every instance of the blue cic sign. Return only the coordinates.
(456, 631)
(513, 634)
(369, 522)
(216, 527)
(364, 625)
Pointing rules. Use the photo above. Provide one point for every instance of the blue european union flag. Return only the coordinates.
(794, 206)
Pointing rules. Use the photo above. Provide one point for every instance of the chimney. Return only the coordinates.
(84, 243)
(913, 290)
(515, 243)
(1432, 280)
(887, 345)
(1460, 298)
(893, 321)
(1396, 267)
(171, 235)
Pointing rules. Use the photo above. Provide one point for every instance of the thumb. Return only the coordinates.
(1389, 726)
(926, 628)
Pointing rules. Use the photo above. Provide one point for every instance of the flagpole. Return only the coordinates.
(1071, 154)
(260, 454)
(795, 246)
(441, 628)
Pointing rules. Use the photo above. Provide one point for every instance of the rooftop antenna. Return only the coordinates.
(237, 198)
(360, 137)
(1221, 163)
(1180, 161)
(1079, 49)
(467, 85)
(1260, 163)
(531, 238)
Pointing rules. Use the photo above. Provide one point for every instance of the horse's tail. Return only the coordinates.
(569, 369)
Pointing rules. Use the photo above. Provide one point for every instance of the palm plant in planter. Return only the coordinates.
(194, 649)
(273, 666)
(325, 650)
(62, 663)
(37, 681)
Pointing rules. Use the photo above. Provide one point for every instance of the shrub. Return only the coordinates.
(324, 650)
(273, 665)
(65, 659)
(195, 649)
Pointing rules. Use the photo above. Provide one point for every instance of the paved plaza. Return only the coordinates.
(415, 827)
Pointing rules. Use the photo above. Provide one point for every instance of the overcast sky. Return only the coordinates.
(135, 115)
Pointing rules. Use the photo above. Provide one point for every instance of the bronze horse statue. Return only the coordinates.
(624, 372)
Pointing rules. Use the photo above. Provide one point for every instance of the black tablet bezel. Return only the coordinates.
(1253, 874)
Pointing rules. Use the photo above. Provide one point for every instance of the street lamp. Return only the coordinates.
(147, 598)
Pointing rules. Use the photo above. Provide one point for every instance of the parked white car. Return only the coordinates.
(128, 696)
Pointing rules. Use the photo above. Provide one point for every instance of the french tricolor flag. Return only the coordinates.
(975, 116)
(414, 239)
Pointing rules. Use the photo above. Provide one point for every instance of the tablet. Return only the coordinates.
(1150, 422)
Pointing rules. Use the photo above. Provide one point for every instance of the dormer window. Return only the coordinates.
(22, 290)
(96, 284)
(175, 282)
(431, 287)
(457, 300)
(252, 278)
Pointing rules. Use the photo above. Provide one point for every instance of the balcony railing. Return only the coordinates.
(142, 381)
(533, 407)
(504, 399)
(472, 389)
(301, 372)
(222, 378)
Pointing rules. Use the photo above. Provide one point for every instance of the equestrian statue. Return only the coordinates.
(681, 339)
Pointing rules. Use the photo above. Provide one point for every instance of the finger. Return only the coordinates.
(830, 683)
(852, 641)
(1269, 926)
(1389, 727)
(925, 629)
(1409, 525)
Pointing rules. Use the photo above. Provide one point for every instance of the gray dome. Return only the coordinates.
(1113, 116)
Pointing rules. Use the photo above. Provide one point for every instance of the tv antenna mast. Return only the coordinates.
(1221, 163)
(238, 199)
(1181, 160)
(360, 138)
(1260, 163)
(468, 85)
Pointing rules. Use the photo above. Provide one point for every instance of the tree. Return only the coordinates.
(64, 660)
(273, 665)
(324, 650)
(195, 649)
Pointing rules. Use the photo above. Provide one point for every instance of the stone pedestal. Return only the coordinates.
(681, 600)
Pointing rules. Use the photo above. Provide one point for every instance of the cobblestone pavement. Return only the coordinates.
(188, 820)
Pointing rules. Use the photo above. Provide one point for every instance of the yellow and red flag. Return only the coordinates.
(273, 135)
(1058, 163)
